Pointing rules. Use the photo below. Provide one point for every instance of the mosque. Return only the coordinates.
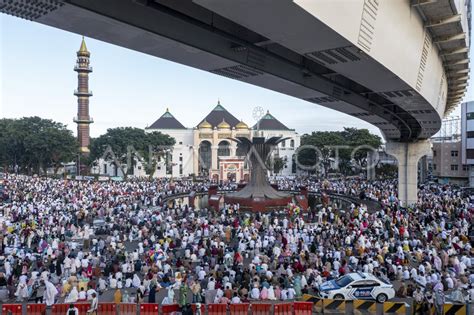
(206, 151)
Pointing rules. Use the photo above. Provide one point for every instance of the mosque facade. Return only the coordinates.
(207, 150)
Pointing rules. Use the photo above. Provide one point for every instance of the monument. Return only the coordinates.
(258, 195)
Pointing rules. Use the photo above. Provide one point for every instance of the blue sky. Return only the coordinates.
(131, 88)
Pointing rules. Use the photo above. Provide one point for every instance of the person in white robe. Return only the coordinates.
(271, 294)
(136, 281)
(50, 293)
(73, 296)
(22, 289)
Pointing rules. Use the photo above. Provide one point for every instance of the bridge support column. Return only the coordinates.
(423, 168)
(408, 154)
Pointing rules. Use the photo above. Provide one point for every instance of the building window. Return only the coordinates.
(181, 142)
(105, 168)
(283, 143)
(470, 116)
(465, 167)
(181, 159)
(241, 150)
(454, 167)
(180, 169)
(454, 153)
(434, 153)
(223, 149)
(434, 167)
(470, 153)
(292, 143)
(470, 134)
(205, 156)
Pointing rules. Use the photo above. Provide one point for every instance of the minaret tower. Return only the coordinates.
(83, 120)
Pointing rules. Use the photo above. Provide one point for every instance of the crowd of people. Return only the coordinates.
(66, 241)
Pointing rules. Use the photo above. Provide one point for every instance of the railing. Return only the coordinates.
(348, 199)
(79, 120)
(87, 93)
(89, 69)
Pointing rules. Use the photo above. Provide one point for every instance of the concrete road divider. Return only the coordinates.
(318, 303)
(334, 306)
(363, 307)
(455, 309)
(398, 308)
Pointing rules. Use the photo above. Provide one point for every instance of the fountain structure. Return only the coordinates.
(258, 195)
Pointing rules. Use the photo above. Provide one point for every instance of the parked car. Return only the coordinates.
(356, 286)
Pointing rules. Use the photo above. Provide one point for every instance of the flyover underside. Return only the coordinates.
(187, 33)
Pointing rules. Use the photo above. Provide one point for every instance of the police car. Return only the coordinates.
(357, 286)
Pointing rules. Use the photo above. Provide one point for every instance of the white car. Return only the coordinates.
(357, 286)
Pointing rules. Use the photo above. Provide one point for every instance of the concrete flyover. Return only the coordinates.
(400, 65)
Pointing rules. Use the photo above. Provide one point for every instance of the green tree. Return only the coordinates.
(316, 149)
(347, 148)
(278, 164)
(361, 142)
(35, 144)
(127, 144)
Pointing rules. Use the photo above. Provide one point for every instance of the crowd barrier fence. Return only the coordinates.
(303, 308)
(260, 309)
(153, 308)
(36, 309)
(107, 309)
(308, 307)
(239, 309)
(61, 309)
(127, 309)
(13, 309)
(283, 309)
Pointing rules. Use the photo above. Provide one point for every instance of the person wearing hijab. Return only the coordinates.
(22, 289)
(73, 296)
(50, 293)
(152, 294)
(136, 281)
(118, 296)
(271, 294)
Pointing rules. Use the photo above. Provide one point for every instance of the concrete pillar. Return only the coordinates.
(214, 147)
(423, 169)
(214, 157)
(371, 163)
(195, 153)
(408, 154)
(233, 149)
(196, 160)
(470, 171)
